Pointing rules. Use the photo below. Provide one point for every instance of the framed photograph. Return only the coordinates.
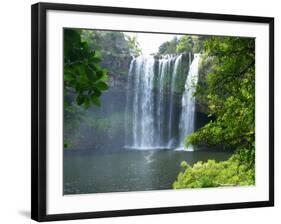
(140, 111)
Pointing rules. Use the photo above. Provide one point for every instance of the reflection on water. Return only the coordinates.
(127, 170)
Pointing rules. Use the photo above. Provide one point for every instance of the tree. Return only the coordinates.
(111, 43)
(215, 174)
(185, 44)
(190, 43)
(168, 47)
(230, 92)
(133, 46)
(228, 88)
(84, 79)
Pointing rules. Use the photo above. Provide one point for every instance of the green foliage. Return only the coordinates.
(115, 50)
(229, 89)
(83, 76)
(133, 46)
(193, 44)
(215, 174)
(86, 55)
(84, 80)
(168, 47)
(111, 43)
(186, 43)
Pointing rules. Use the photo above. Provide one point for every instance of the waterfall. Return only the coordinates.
(171, 102)
(143, 102)
(154, 105)
(186, 124)
(164, 67)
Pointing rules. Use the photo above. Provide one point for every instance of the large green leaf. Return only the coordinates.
(96, 100)
(101, 85)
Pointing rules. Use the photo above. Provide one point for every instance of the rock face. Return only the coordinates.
(117, 69)
(204, 68)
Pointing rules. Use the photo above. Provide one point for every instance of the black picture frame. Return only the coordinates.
(39, 122)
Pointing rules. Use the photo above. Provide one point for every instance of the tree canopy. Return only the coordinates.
(190, 43)
(110, 43)
(183, 44)
(168, 47)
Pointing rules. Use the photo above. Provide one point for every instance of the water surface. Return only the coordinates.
(127, 170)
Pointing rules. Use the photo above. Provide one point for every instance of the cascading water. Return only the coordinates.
(163, 71)
(153, 104)
(141, 77)
(176, 68)
(186, 124)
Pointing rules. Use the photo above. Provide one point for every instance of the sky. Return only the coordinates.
(150, 42)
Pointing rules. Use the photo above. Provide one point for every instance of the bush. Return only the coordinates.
(215, 174)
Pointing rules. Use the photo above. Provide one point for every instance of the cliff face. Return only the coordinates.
(204, 69)
(118, 68)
